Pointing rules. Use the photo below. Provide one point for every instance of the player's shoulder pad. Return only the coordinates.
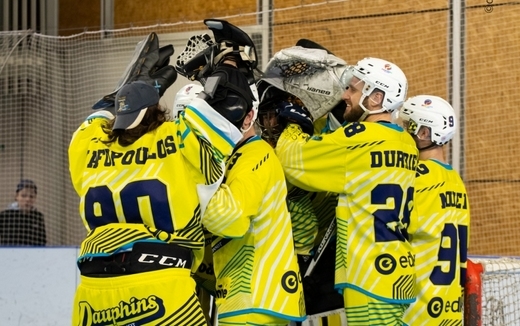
(103, 114)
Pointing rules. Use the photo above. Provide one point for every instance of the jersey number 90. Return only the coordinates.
(154, 190)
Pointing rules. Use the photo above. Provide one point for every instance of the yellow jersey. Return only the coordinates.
(440, 238)
(371, 166)
(159, 185)
(253, 252)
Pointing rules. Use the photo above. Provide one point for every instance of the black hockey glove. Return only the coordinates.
(290, 112)
(149, 64)
(228, 92)
(158, 72)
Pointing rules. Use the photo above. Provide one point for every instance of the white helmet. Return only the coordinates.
(184, 97)
(383, 75)
(432, 112)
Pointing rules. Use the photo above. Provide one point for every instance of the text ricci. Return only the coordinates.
(454, 199)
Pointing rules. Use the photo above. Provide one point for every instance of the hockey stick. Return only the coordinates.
(331, 231)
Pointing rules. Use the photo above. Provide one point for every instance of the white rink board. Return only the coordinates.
(37, 285)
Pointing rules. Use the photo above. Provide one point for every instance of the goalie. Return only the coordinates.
(144, 183)
(247, 215)
(312, 214)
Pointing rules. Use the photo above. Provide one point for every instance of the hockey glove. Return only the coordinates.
(149, 64)
(202, 55)
(228, 92)
(290, 112)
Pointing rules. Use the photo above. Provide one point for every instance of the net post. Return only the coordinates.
(473, 294)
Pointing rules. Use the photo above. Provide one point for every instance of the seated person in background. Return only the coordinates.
(21, 224)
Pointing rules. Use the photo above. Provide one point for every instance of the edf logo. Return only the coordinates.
(385, 264)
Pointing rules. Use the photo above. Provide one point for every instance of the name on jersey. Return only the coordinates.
(139, 156)
(454, 199)
(393, 159)
(124, 313)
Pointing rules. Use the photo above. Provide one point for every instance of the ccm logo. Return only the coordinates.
(382, 84)
(162, 260)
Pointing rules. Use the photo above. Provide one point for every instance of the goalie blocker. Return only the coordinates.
(150, 64)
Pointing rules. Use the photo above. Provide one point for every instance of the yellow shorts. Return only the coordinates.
(362, 310)
(157, 298)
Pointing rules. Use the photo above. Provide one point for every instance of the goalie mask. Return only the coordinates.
(229, 93)
(267, 121)
(432, 112)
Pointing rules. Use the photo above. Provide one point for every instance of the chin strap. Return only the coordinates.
(427, 147)
(367, 112)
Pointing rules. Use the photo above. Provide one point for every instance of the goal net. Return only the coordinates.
(494, 292)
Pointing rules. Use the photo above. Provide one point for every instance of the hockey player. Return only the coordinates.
(371, 164)
(258, 280)
(440, 236)
(144, 183)
(311, 213)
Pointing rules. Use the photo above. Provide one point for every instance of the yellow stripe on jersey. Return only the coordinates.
(372, 168)
(324, 205)
(303, 219)
(254, 259)
(440, 238)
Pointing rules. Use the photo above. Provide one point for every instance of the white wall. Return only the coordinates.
(37, 285)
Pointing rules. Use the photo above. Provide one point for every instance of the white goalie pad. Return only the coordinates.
(313, 75)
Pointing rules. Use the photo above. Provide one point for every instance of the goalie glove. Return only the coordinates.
(311, 74)
(202, 55)
(291, 112)
(309, 44)
(149, 64)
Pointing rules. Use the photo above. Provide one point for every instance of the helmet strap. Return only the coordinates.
(427, 147)
(253, 120)
(367, 112)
